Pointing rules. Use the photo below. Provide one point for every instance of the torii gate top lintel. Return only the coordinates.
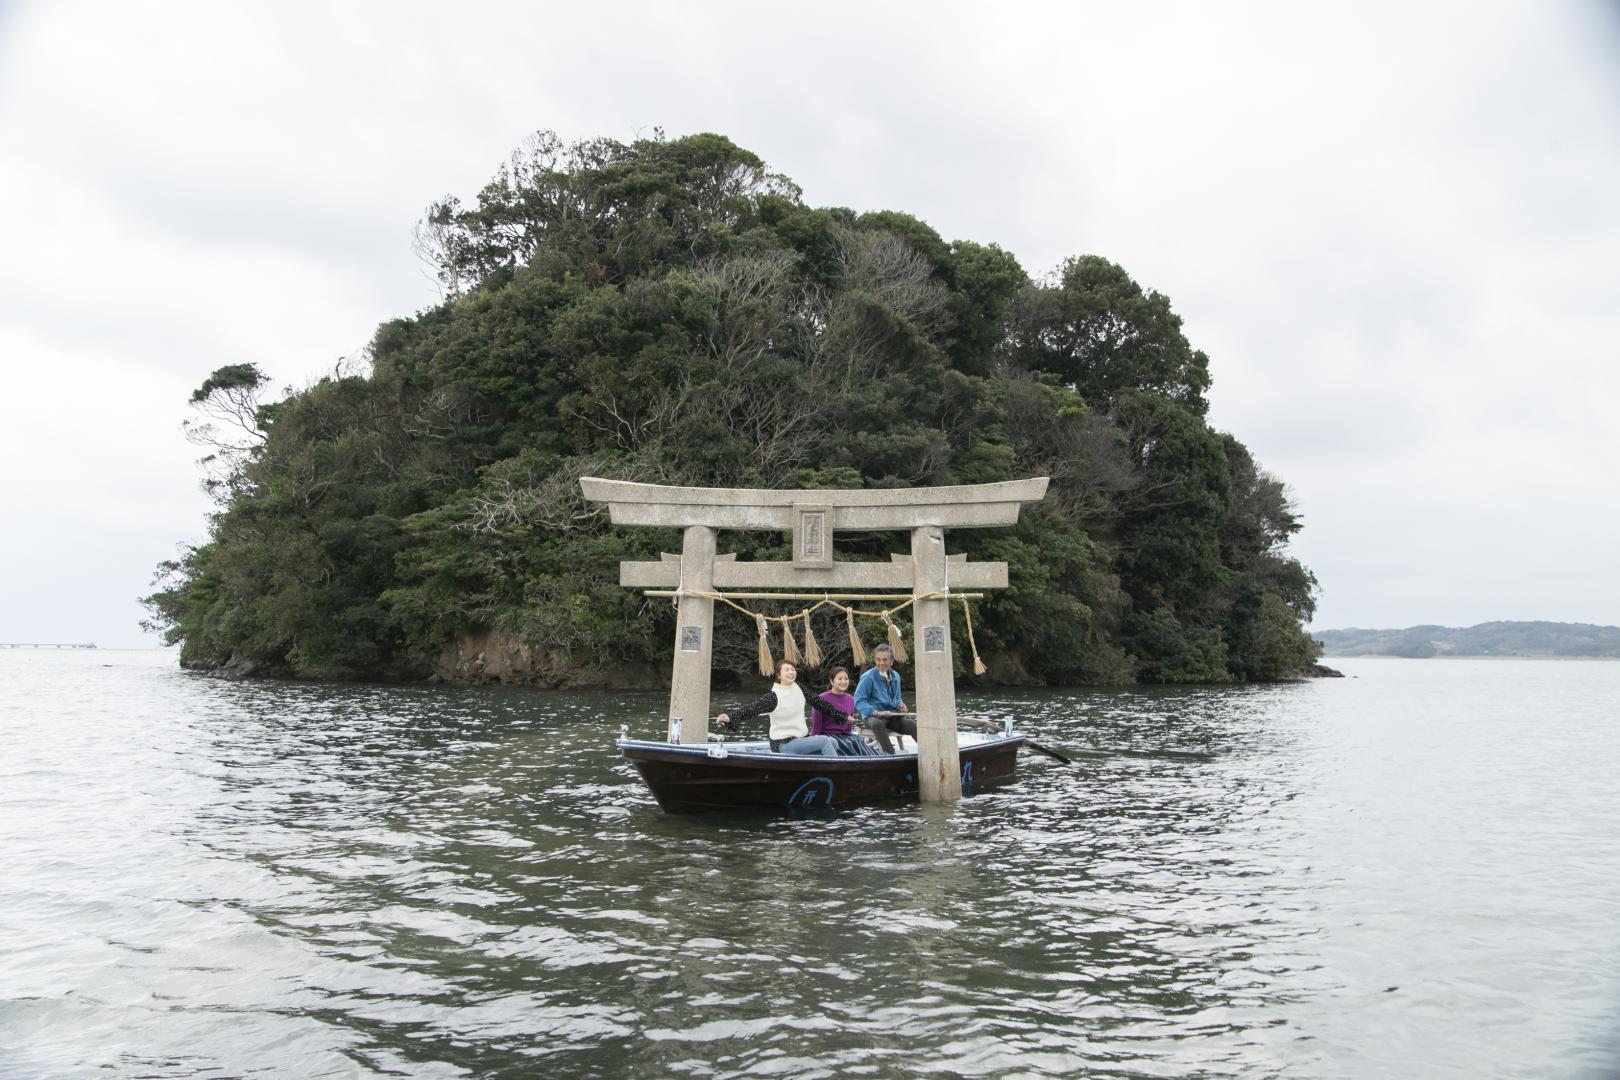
(814, 515)
(960, 506)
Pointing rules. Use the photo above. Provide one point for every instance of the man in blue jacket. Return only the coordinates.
(877, 699)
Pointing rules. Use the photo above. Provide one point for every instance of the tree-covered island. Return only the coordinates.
(671, 311)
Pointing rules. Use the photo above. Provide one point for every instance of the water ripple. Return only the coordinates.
(1409, 873)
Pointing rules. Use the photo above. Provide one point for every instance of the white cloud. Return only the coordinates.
(1392, 228)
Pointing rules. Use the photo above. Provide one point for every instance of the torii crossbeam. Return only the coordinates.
(814, 518)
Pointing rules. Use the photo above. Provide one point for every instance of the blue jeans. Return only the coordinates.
(810, 745)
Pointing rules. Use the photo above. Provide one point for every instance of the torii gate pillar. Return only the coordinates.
(935, 682)
(694, 636)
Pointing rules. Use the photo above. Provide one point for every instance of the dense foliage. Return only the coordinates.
(670, 311)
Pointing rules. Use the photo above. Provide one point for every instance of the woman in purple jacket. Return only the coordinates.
(832, 713)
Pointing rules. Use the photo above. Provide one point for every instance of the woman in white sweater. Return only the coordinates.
(785, 703)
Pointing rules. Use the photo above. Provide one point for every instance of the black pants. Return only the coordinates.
(882, 725)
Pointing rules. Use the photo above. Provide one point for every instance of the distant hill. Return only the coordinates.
(1486, 639)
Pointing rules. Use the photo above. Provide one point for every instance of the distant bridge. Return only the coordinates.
(44, 645)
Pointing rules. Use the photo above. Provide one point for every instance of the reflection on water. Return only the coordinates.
(1412, 872)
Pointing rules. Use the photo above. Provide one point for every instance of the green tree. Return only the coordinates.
(1097, 329)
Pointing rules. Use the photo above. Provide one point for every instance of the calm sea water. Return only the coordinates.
(1410, 872)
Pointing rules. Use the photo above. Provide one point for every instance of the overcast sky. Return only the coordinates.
(1395, 228)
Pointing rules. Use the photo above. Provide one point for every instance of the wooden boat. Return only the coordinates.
(690, 777)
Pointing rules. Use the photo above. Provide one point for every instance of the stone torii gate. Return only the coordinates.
(815, 518)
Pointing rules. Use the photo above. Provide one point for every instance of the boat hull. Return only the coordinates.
(687, 779)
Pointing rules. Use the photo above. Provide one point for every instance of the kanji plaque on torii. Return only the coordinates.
(815, 518)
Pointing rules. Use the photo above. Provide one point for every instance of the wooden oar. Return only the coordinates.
(1181, 755)
(996, 729)
(1039, 749)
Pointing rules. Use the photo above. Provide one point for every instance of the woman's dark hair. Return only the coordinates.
(833, 674)
(777, 674)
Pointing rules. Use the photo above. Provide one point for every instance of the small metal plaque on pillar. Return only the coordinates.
(933, 639)
(812, 536)
(691, 639)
